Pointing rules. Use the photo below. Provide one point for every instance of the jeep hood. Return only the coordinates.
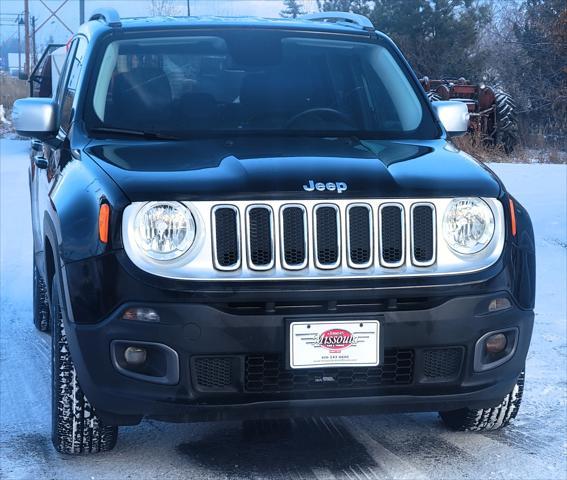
(250, 168)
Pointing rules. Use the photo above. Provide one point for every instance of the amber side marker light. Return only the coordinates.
(512, 217)
(103, 222)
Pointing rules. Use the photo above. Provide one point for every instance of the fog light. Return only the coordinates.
(135, 356)
(498, 304)
(495, 343)
(141, 314)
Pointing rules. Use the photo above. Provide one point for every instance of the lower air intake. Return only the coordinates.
(442, 363)
(213, 373)
(267, 373)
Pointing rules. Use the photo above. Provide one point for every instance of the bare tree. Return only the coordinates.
(525, 46)
(164, 8)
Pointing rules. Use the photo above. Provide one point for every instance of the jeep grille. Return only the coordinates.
(317, 239)
(330, 223)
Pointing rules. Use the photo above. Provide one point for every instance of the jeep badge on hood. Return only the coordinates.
(339, 187)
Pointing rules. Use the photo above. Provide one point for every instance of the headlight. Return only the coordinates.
(468, 225)
(164, 230)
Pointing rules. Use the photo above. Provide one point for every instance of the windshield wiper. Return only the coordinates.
(134, 133)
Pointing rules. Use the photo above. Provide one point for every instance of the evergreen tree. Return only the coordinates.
(292, 9)
(356, 6)
(438, 37)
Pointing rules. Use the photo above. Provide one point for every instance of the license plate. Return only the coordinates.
(337, 344)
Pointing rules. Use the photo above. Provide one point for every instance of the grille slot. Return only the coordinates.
(442, 363)
(260, 237)
(327, 240)
(213, 373)
(227, 239)
(294, 237)
(359, 235)
(391, 235)
(267, 373)
(423, 234)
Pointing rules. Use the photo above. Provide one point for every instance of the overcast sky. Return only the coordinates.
(69, 13)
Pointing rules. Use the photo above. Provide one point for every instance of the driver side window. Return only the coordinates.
(69, 81)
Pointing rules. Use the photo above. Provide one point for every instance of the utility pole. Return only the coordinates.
(34, 49)
(27, 33)
(188, 8)
(81, 11)
(20, 21)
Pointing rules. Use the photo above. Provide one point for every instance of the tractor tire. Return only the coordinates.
(486, 419)
(40, 302)
(506, 125)
(76, 428)
(433, 97)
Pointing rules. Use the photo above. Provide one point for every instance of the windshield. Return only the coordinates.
(256, 81)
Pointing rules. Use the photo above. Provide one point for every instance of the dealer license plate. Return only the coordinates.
(338, 344)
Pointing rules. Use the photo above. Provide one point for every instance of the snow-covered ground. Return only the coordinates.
(381, 446)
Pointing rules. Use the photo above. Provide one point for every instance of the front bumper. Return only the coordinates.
(235, 331)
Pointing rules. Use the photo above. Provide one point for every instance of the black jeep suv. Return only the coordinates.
(243, 218)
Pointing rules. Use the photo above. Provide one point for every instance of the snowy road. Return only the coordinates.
(387, 446)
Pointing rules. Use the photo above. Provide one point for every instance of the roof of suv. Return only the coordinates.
(152, 23)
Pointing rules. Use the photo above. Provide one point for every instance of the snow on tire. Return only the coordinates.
(486, 419)
(76, 429)
(40, 302)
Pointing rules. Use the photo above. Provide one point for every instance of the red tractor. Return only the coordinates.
(493, 112)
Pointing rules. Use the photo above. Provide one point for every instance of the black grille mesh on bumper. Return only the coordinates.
(213, 373)
(442, 363)
(267, 373)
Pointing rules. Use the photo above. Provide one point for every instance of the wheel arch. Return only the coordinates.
(53, 265)
(49, 257)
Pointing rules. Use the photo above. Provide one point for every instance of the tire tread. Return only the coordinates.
(506, 121)
(76, 427)
(487, 419)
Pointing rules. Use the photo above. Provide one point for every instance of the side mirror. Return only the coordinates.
(453, 115)
(35, 117)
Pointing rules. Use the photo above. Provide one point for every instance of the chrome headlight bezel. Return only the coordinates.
(473, 209)
(183, 245)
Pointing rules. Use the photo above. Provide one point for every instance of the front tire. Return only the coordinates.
(486, 419)
(76, 429)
